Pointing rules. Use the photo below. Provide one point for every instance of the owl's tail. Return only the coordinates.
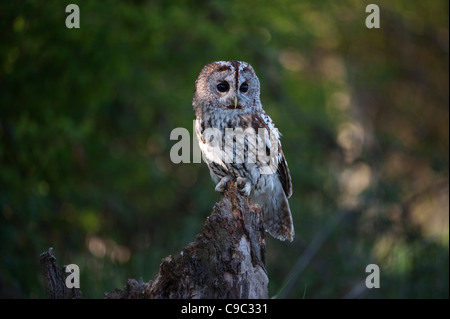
(277, 214)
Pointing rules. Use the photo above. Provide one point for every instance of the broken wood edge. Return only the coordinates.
(55, 278)
(225, 261)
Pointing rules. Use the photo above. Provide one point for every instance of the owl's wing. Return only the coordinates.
(282, 168)
(284, 175)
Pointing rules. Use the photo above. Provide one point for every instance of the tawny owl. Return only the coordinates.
(239, 141)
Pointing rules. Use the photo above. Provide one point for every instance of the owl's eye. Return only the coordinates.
(244, 87)
(223, 87)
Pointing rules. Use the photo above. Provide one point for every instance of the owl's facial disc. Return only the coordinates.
(230, 97)
(231, 85)
(224, 89)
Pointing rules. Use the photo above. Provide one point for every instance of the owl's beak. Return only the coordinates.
(235, 101)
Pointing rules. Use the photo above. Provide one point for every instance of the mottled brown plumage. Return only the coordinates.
(239, 141)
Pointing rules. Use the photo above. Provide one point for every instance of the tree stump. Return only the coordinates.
(226, 260)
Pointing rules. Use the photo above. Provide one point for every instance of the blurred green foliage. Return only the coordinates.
(86, 115)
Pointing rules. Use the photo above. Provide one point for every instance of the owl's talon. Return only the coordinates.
(244, 186)
(220, 187)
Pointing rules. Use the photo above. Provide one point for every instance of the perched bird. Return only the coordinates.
(239, 141)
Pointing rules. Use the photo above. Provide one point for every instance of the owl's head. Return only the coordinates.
(227, 85)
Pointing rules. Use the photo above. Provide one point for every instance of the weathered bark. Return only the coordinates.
(227, 260)
(55, 278)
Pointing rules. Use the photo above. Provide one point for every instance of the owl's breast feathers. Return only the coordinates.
(254, 121)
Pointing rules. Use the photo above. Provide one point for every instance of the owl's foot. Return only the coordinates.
(244, 186)
(220, 187)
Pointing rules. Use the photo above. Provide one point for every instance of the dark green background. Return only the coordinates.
(86, 116)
